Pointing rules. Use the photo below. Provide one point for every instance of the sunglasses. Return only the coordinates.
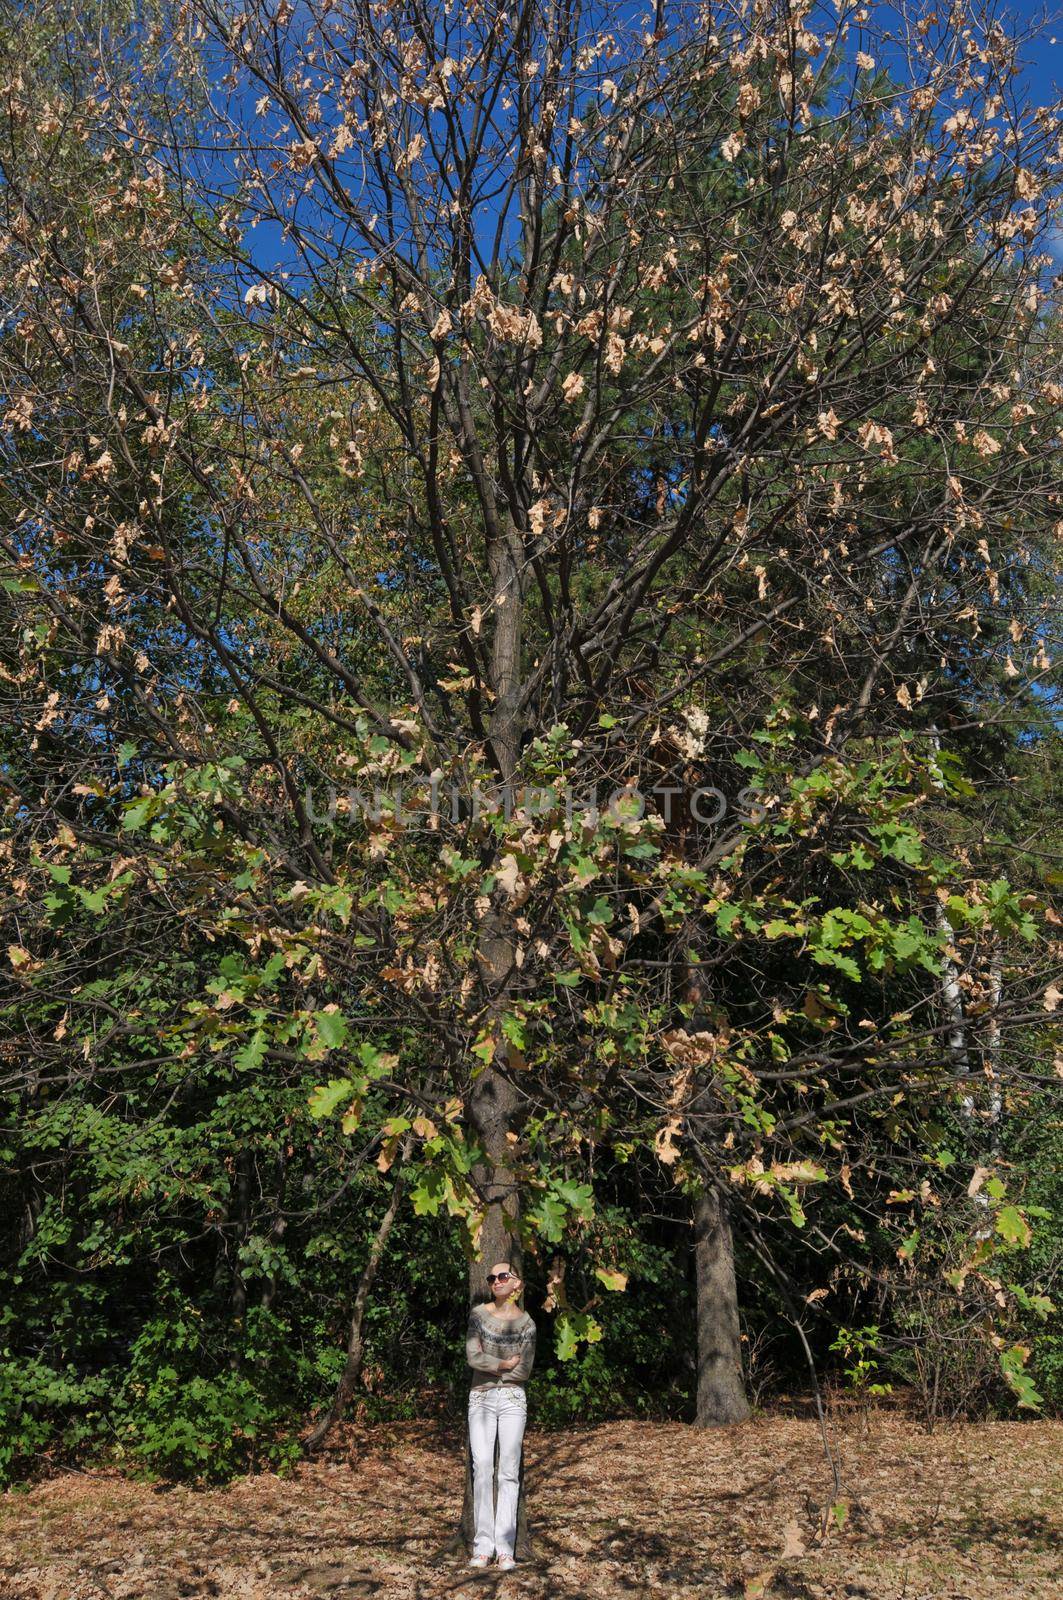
(499, 1277)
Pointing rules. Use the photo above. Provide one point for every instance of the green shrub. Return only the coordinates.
(42, 1408)
(203, 1428)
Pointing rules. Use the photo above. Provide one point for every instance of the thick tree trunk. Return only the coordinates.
(721, 1397)
(721, 1393)
(494, 1108)
(494, 1101)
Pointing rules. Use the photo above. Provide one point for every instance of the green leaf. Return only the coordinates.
(840, 1511)
(572, 1328)
(273, 968)
(253, 1052)
(1012, 1364)
(549, 1218)
(902, 843)
(331, 1028)
(326, 1097)
(579, 1196)
(1012, 1226)
(566, 1339)
(428, 1195)
(377, 1063)
(135, 815)
(858, 856)
(1040, 1304)
(96, 899)
(513, 1028)
(832, 958)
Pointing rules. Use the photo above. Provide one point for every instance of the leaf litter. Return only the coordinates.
(627, 1508)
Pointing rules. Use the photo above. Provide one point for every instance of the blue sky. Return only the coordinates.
(1043, 74)
(1041, 79)
(1038, 83)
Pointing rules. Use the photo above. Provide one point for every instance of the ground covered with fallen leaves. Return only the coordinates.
(623, 1509)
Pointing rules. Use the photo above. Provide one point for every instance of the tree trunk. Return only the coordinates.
(493, 1108)
(950, 989)
(276, 1234)
(355, 1342)
(993, 1065)
(721, 1392)
(493, 1104)
(994, 1057)
(721, 1395)
(493, 1099)
(953, 999)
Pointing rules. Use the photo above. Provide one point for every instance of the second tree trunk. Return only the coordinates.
(721, 1392)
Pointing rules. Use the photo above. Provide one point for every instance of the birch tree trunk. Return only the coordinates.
(952, 995)
(953, 1000)
(957, 1037)
(993, 1072)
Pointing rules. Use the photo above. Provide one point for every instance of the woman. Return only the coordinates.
(500, 1348)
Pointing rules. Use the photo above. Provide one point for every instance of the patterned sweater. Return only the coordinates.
(491, 1339)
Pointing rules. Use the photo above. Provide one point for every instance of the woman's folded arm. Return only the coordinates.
(474, 1352)
(522, 1371)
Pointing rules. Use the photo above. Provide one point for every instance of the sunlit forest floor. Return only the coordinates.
(619, 1509)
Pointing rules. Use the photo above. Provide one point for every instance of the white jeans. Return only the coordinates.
(501, 1409)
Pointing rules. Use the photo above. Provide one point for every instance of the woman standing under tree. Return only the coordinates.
(500, 1348)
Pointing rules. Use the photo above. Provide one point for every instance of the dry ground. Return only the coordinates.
(620, 1510)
